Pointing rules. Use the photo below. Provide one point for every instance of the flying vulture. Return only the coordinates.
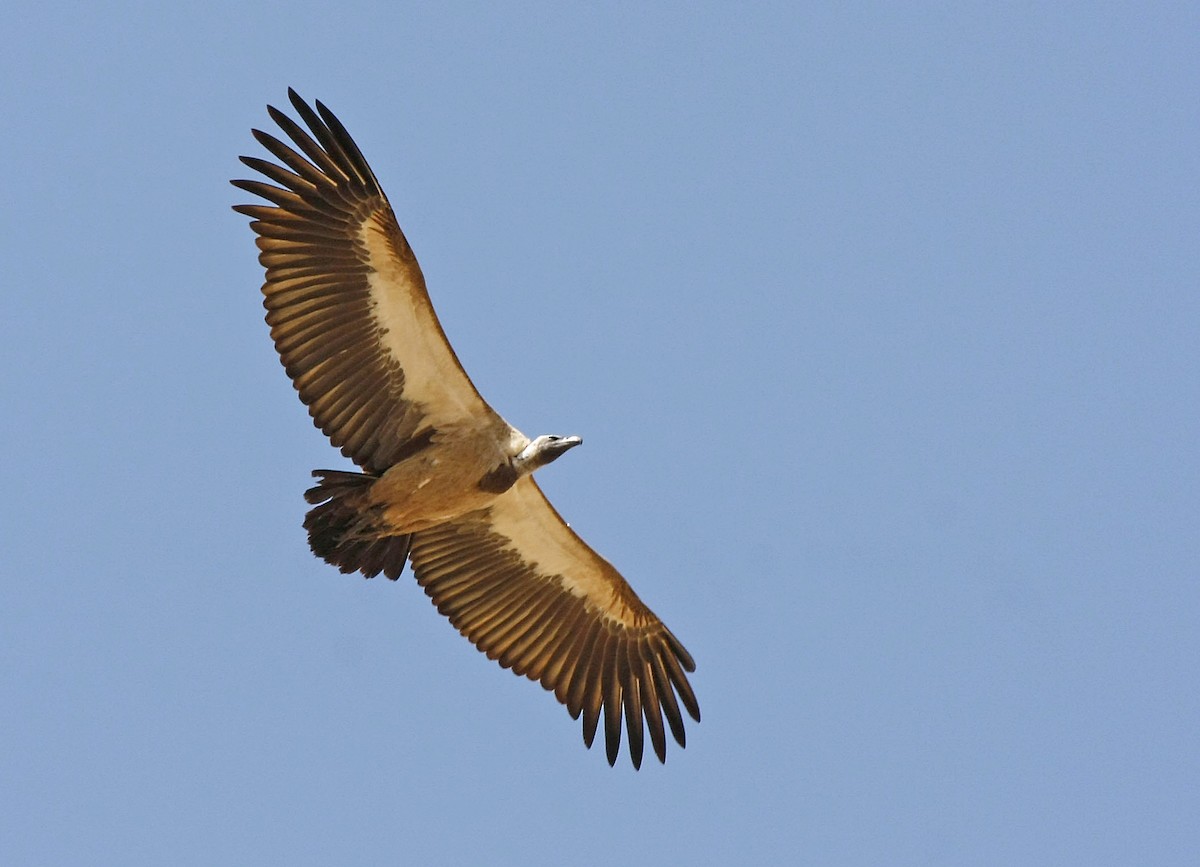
(446, 483)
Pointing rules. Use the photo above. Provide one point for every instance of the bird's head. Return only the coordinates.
(542, 450)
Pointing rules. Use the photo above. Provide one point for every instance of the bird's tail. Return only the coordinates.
(339, 527)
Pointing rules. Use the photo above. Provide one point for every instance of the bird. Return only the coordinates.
(443, 482)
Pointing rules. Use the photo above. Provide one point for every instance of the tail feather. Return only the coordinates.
(339, 527)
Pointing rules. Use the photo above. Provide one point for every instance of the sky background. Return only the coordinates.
(881, 324)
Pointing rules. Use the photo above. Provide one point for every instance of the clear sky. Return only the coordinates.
(881, 325)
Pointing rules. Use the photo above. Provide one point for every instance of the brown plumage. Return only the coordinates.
(447, 484)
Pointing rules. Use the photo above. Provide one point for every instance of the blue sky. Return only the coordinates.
(882, 328)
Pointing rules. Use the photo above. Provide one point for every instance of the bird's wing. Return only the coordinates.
(345, 297)
(516, 580)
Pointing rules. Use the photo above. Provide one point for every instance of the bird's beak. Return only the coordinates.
(564, 444)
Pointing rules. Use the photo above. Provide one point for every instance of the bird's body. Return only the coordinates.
(446, 483)
(447, 479)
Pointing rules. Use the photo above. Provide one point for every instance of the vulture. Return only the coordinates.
(445, 483)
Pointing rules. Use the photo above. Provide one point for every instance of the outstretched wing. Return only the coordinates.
(345, 297)
(528, 592)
